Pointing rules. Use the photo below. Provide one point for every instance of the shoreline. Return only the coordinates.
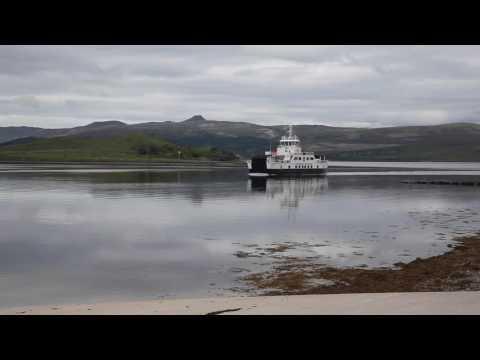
(454, 270)
(444, 284)
(125, 162)
(420, 303)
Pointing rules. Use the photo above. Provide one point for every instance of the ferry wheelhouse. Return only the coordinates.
(288, 159)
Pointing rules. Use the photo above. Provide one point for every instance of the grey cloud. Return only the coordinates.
(57, 86)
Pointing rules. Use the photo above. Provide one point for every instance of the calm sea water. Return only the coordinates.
(89, 235)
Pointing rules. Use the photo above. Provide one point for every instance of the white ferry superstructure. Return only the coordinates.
(288, 159)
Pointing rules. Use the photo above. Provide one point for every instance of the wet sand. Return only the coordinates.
(422, 303)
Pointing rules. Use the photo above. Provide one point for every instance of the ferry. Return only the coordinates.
(288, 159)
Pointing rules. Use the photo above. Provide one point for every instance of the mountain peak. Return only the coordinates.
(196, 118)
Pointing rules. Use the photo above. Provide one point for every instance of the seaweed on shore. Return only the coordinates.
(456, 270)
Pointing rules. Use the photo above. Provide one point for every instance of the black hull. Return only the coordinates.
(292, 172)
(259, 168)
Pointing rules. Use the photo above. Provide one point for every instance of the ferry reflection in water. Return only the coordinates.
(290, 191)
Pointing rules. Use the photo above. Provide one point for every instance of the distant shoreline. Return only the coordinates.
(156, 163)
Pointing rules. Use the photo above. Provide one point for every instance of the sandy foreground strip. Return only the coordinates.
(420, 303)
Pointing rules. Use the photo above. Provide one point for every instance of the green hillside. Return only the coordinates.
(447, 142)
(130, 147)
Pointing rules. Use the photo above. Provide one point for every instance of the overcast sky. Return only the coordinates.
(363, 86)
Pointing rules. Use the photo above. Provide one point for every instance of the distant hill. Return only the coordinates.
(458, 141)
(128, 147)
(15, 132)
